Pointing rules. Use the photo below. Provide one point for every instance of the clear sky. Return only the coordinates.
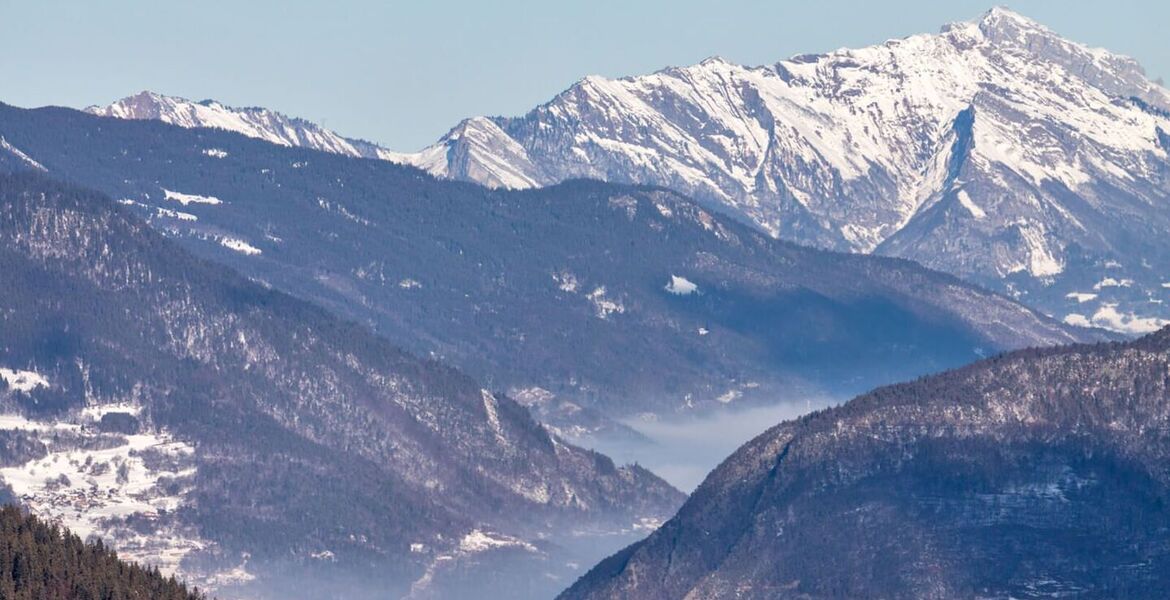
(402, 73)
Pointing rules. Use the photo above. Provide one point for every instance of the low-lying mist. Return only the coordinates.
(684, 450)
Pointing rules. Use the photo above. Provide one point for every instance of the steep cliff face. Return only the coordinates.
(1040, 473)
(239, 436)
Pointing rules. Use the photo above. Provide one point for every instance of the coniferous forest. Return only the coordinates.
(40, 561)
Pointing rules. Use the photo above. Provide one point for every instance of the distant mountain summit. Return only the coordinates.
(994, 150)
(256, 122)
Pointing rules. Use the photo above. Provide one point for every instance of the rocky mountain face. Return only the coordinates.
(1037, 474)
(255, 444)
(994, 150)
(584, 300)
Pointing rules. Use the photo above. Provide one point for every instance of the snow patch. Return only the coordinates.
(480, 541)
(604, 306)
(965, 200)
(239, 246)
(97, 411)
(1109, 317)
(647, 524)
(629, 203)
(21, 155)
(493, 416)
(338, 208)
(23, 381)
(186, 199)
(566, 281)
(1109, 282)
(681, 286)
(729, 396)
(92, 482)
(176, 214)
(215, 153)
(1041, 260)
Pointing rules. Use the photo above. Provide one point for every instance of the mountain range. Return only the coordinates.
(1038, 474)
(584, 300)
(255, 444)
(278, 362)
(995, 150)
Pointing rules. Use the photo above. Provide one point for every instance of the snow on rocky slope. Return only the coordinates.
(254, 122)
(995, 150)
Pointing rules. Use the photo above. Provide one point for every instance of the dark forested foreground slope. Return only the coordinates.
(39, 561)
(619, 298)
(196, 418)
(1038, 474)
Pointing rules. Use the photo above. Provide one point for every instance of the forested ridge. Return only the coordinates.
(42, 561)
(1035, 474)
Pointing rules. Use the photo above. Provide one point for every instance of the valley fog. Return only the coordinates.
(684, 449)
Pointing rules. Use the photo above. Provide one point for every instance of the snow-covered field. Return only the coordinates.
(121, 488)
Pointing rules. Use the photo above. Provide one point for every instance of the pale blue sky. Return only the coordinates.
(402, 73)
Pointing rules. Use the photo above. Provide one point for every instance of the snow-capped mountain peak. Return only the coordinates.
(254, 122)
(994, 149)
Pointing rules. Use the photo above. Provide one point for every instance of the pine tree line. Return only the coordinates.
(42, 561)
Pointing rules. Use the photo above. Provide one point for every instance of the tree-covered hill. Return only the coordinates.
(41, 561)
(164, 401)
(1036, 474)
